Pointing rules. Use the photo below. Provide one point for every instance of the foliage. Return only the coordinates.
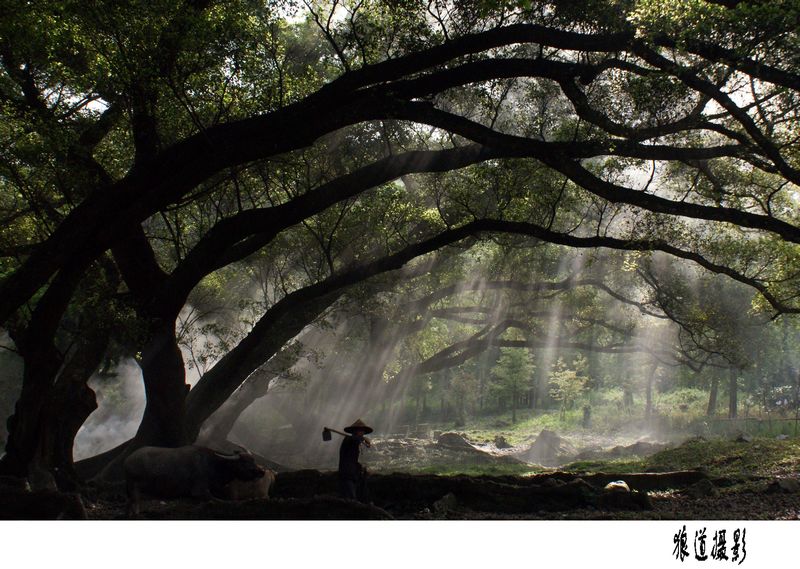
(568, 384)
(512, 375)
(463, 394)
(122, 120)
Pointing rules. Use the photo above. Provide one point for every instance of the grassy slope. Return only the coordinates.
(761, 457)
(721, 457)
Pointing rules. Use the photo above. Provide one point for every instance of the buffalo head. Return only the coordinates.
(237, 466)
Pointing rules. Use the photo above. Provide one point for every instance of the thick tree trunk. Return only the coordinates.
(163, 422)
(541, 386)
(44, 428)
(68, 407)
(171, 418)
(73, 401)
(627, 399)
(72, 404)
(648, 409)
(785, 371)
(42, 364)
(164, 419)
(733, 394)
(712, 397)
(796, 401)
(514, 406)
(483, 376)
(593, 357)
(163, 372)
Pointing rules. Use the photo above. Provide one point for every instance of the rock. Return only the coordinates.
(615, 452)
(501, 442)
(578, 486)
(639, 448)
(617, 486)
(743, 438)
(548, 449)
(702, 489)
(644, 448)
(647, 482)
(781, 437)
(784, 486)
(445, 503)
(590, 452)
(454, 441)
(624, 501)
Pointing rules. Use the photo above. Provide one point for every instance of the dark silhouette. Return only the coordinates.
(353, 475)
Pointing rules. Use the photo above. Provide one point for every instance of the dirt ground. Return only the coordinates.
(406, 482)
(309, 496)
(667, 506)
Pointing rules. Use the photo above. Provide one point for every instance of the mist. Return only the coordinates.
(358, 372)
(362, 362)
(120, 406)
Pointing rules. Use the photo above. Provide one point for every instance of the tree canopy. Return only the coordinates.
(441, 172)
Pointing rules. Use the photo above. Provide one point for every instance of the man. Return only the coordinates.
(352, 476)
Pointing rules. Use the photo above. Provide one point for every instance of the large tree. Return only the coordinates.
(621, 125)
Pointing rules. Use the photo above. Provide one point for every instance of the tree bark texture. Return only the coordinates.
(733, 393)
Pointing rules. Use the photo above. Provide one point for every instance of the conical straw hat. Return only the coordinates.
(358, 425)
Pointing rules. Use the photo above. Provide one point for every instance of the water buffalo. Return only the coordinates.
(257, 488)
(183, 472)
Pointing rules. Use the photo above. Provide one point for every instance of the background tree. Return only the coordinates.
(512, 376)
(568, 384)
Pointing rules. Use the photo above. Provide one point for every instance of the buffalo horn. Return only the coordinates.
(228, 456)
(241, 450)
